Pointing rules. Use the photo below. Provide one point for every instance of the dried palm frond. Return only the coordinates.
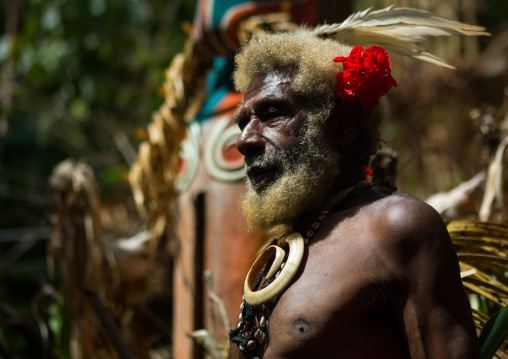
(398, 30)
(481, 249)
(104, 278)
(76, 245)
(494, 194)
(459, 201)
(153, 175)
(483, 246)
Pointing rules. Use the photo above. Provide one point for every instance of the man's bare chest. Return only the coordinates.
(337, 297)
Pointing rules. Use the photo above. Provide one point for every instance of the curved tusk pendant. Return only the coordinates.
(296, 248)
(279, 257)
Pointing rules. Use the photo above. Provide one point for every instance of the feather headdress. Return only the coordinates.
(398, 30)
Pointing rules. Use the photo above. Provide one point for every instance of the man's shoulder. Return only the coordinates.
(402, 212)
(405, 226)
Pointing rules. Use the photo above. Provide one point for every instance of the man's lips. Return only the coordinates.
(258, 174)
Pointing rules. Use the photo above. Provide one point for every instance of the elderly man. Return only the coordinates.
(354, 274)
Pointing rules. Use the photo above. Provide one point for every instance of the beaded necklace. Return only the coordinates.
(251, 334)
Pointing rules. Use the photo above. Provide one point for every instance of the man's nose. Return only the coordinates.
(250, 141)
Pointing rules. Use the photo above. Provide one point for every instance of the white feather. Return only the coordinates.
(407, 16)
(397, 30)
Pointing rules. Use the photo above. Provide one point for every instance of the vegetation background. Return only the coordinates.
(80, 79)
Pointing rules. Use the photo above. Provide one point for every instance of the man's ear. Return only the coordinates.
(346, 118)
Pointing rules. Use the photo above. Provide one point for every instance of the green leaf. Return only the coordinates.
(79, 109)
(51, 18)
(494, 333)
(5, 47)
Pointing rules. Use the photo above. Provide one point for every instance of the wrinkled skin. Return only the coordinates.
(380, 279)
(270, 122)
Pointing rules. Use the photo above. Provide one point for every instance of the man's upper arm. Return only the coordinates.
(433, 311)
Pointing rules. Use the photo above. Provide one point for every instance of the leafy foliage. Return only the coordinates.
(76, 74)
(78, 78)
(494, 333)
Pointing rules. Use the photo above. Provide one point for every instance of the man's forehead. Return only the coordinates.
(270, 80)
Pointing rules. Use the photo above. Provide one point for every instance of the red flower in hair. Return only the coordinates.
(366, 76)
(368, 172)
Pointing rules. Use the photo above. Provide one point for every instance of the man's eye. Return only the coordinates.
(241, 122)
(273, 112)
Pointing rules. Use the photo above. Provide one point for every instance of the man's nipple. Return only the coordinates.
(301, 328)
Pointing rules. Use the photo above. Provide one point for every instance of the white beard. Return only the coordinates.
(309, 170)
